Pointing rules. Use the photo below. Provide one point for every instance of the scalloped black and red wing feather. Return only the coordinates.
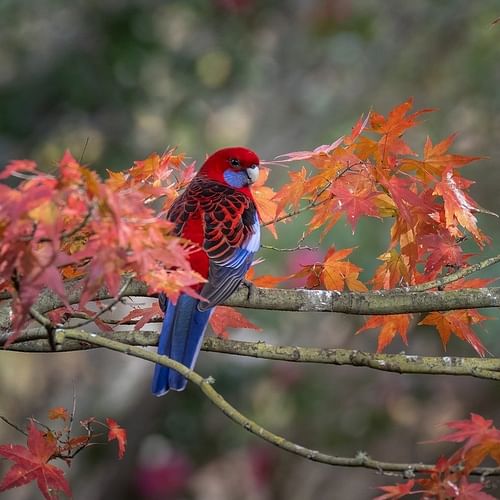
(224, 222)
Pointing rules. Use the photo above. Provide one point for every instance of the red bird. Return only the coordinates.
(218, 213)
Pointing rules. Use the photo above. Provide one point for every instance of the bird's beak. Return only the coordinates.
(252, 173)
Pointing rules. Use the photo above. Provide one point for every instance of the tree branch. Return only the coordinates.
(450, 278)
(206, 385)
(380, 302)
(35, 340)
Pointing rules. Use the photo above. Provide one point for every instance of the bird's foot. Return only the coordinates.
(251, 289)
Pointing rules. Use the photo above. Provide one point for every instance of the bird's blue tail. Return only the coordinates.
(180, 339)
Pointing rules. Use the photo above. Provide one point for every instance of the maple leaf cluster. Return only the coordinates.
(44, 445)
(71, 224)
(373, 172)
(450, 477)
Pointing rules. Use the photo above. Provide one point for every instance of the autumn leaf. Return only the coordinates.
(443, 250)
(480, 437)
(457, 323)
(357, 130)
(226, 317)
(355, 196)
(143, 315)
(472, 431)
(325, 215)
(264, 281)
(394, 492)
(291, 193)
(436, 160)
(338, 273)
(59, 413)
(317, 157)
(390, 326)
(398, 120)
(392, 272)
(264, 199)
(333, 273)
(472, 491)
(458, 206)
(31, 463)
(118, 433)
(16, 166)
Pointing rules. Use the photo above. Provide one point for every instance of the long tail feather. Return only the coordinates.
(180, 339)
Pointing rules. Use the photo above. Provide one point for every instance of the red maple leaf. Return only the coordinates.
(355, 196)
(118, 433)
(472, 431)
(144, 315)
(16, 166)
(31, 463)
(225, 317)
(472, 491)
(480, 437)
(396, 491)
(444, 250)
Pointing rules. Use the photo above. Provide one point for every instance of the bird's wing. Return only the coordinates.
(231, 238)
(231, 233)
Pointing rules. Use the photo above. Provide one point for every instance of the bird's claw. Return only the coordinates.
(251, 289)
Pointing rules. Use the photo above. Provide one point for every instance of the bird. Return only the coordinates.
(216, 212)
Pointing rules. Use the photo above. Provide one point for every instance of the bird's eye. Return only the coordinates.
(234, 162)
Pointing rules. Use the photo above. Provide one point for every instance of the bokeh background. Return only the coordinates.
(131, 77)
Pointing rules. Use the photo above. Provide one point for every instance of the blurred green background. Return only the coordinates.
(133, 77)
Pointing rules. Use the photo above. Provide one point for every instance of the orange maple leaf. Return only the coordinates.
(264, 199)
(458, 323)
(59, 413)
(458, 206)
(334, 273)
(392, 272)
(436, 160)
(391, 325)
(291, 193)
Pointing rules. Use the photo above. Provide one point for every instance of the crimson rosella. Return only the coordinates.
(218, 213)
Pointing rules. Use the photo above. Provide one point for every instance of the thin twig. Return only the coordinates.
(315, 202)
(110, 306)
(206, 385)
(79, 226)
(13, 425)
(312, 204)
(294, 249)
(87, 140)
(450, 278)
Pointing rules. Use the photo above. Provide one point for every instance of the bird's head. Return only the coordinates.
(237, 167)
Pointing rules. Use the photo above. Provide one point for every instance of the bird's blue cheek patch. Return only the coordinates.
(235, 179)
